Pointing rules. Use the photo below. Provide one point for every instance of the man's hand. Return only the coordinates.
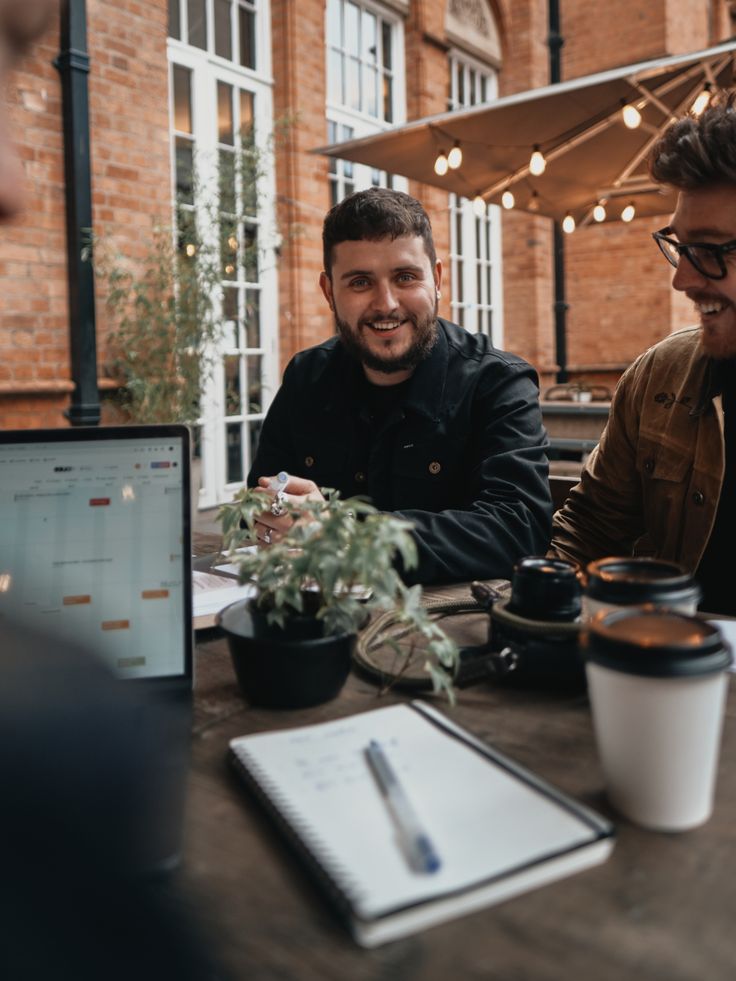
(271, 527)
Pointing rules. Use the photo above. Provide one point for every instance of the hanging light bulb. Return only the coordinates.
(441, 165)
(508, 200)
(191, 249)
(537, 163)
(455, 157)
(568, 224)
(701, 101)
(599, 212)
(533, 202)
(631, 116)
(479, 206)
(629, 212)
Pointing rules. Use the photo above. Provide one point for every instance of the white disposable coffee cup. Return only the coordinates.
(657, 682)
(618, 583)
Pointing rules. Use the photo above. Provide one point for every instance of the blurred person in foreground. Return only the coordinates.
(78, 776)
(662, 481)
(425, 419)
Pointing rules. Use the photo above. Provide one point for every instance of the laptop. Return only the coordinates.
(95, 548)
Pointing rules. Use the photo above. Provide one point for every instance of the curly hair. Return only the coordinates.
(698, 151)
(373, 214)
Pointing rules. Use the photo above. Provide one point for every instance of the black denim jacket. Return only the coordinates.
(463, 457)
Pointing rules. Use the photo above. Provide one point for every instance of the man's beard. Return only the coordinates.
(425, 335)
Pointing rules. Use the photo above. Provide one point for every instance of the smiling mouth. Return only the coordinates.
(706, 307)
(384, 326)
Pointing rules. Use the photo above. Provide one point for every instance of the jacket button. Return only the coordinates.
(699, 498)
(435, 467)
(360, 476)
(649, 464)
(308, 461)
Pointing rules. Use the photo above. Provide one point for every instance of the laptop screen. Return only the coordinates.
(95, 542)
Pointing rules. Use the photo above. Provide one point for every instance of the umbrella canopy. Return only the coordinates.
(592, 158)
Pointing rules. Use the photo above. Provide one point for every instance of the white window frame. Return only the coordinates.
(207, 69)
(475, 243)
(346, 176)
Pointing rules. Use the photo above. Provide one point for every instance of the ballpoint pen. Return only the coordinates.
(418, 848)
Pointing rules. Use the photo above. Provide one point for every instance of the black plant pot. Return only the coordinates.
(291, 667)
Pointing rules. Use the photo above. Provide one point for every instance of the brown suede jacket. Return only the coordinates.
(652, 485)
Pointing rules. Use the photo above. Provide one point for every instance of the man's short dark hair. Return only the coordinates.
(698, 151)
(373, 214)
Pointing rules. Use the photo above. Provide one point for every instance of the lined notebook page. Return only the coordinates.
(483, 821)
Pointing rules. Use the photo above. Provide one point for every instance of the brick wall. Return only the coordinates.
(128, 100)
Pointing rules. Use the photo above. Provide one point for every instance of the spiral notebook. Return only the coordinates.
(497, 828)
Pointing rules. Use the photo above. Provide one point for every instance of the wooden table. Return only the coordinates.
(662, 907)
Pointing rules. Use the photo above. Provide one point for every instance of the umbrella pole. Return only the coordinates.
(555, 40)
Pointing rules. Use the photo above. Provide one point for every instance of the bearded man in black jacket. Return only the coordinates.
(402, 407)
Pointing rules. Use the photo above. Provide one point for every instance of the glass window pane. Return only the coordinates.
(226, 176)
(223, 30)
(197, 23)
(352, 28)
(371, 91)
(388, 99)
(247, 113)
(353, 84)
(174, 20)
(225, 127)
(230, 315)
(334, 76)
(254, 435)
(461, 87)
(228, 248)
(234, 439)
(184, 163)
(369, 37)
(255, 386)
(333, 23)
(387, 45)
(253, 319)
(186, 228)
(250, 253)
(233, 395)
(182, 99)
(247, 34)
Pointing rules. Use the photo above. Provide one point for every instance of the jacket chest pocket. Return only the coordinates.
(664, 474)
(427, 476)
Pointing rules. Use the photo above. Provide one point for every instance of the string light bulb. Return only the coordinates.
(629, 212)
(508, 200)
(191, 249)
(702, 101)
(631, 117)
(479, 206)
(568, 224)
(441, 165)
(533, 202)
(455, 157)
(537, 163)
(599, 212)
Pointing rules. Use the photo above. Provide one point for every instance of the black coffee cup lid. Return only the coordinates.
(545, 589)
(656, 643)
(637, 580)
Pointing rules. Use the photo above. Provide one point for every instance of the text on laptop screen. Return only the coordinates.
(91, 547)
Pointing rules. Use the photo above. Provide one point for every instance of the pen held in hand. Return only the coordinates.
(418, 848)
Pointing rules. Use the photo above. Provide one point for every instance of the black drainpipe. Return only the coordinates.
(555, 42)
(73, 66)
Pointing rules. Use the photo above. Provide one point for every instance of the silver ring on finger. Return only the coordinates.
(266, 536)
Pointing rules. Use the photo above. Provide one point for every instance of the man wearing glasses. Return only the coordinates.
(662, 481)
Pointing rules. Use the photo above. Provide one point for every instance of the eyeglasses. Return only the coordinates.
(706, 257)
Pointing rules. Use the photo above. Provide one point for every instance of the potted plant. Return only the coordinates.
(292, 643)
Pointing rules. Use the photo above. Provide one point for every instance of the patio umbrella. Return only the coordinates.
(594, 163)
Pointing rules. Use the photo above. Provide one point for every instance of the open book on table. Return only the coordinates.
(498, 830)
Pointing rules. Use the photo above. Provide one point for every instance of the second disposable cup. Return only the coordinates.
(657, 682)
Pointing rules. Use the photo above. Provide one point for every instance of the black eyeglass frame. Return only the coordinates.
(717, 251)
